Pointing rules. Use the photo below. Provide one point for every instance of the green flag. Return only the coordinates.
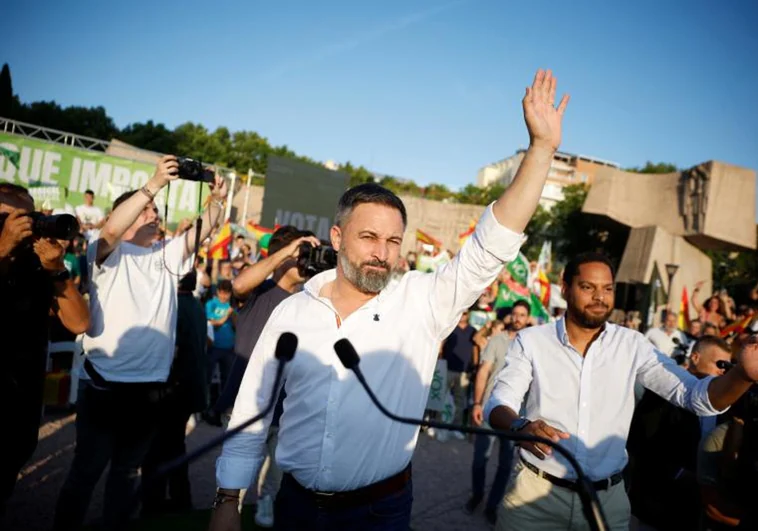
(519, 269)
(538, 310)
(11, 155)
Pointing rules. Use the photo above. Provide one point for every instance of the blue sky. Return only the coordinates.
(427, 90)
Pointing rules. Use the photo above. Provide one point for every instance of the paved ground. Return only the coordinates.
(441, 480)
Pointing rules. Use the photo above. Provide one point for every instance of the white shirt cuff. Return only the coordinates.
(497, 239)
(236, 472)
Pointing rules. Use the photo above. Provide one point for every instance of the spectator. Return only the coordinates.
(34, 283)
(222, 316)
(491, 363)
(458, 351)
(187, 393)
(129, 347)
(663, 444)
(91, 218)
(667, 337)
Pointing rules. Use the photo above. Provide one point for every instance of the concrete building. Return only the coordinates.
(566, 169)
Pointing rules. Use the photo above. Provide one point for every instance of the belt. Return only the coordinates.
(354, 498)
(602, 484)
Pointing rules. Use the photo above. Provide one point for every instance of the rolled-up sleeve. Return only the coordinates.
(664, 377)
(457, 284)
(243, 454)
(511, 383)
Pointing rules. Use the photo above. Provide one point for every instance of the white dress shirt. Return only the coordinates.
(590, 397)
(331, 437)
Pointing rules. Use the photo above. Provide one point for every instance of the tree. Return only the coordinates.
(150, 136)
(7, 102)
(573, 232)
(660, 167)
(735, 271)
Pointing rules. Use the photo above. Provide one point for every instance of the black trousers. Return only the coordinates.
(21, 388)
(171, 492)
(110, 428)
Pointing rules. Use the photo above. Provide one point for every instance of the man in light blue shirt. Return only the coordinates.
(580, 373)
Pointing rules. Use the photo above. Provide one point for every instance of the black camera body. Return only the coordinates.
(314, 260)
(57, 226)
(193, 170)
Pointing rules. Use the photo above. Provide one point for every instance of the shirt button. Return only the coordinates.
(584, 404)
(328, 435)
(323, 469)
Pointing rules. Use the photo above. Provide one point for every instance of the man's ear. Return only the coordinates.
(335, 235)
(564, 291)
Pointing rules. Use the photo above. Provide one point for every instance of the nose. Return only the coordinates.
(381, 251)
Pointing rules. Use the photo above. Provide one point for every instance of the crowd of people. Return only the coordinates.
(170, 335)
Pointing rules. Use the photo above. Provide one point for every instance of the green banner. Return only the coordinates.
(301, 194)
(43, 167)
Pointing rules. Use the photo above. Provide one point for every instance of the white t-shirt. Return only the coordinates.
(89, 214)
(133, 310)
(663, 341)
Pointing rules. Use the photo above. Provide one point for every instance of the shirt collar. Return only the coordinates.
(560, 328)
(313, 286)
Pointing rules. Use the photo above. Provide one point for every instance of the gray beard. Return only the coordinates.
(364, 281)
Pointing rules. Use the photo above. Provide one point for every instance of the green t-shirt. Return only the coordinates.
(71, 261)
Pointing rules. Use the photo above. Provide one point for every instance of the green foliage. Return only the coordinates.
(573, 232)
(650, 167)
(734, 270)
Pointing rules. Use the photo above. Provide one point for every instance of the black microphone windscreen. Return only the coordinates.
(286, 346)
(346, 353)
(675, 341)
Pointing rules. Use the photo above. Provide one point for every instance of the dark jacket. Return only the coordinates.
(188, 372)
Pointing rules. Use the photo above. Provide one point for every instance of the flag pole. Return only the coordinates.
(247, 196)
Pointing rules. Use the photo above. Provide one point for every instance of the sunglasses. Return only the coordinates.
(724, 365)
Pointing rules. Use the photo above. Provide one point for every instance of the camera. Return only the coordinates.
(314, 260)
(193, 170)
(57, 227)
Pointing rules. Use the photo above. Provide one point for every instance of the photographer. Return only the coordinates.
(34, 284)
(264, 285)
(129, 346)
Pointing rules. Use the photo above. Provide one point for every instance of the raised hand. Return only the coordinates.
(166, 170)
(543, 118)
(50, 253)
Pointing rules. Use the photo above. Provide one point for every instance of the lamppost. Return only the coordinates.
(671, 270)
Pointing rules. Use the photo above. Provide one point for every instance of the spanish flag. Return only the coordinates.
(463, 236)
(544, 287)
(684, 311)
(220, 246)
(257, 231)
(423, 237)
(736, 327)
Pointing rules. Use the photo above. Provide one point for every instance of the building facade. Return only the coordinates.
(566, 169)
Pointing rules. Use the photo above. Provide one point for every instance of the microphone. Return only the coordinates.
(285, 350)
(593, 511)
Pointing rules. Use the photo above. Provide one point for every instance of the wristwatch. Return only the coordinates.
(519, 424)
(223, 497)
(60, 276)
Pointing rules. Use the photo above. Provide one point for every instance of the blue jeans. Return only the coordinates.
(482, 450)
(295, 510)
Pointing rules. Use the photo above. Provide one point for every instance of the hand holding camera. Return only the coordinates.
(50, 253)
(17, 228)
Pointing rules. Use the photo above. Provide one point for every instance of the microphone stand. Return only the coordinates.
(591, 507)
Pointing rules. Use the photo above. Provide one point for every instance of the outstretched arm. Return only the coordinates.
(498, 235)
(543, 119)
